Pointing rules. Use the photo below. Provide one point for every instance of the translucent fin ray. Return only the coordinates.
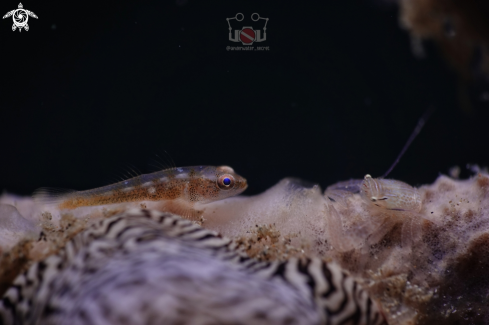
(51, 196)
(163, 161)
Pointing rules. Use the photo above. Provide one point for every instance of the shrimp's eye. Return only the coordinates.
(225, 182)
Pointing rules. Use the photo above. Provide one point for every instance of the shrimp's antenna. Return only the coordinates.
(416, 131)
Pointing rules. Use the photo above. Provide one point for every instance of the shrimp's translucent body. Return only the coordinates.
(390, 194)
(400, 202)
(388, 203)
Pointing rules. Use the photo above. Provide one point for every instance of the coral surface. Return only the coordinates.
(423, 265)
(148, 267)
(439, 276)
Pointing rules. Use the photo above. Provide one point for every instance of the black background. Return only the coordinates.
(94, 87)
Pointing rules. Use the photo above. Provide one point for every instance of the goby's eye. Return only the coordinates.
(225, 182)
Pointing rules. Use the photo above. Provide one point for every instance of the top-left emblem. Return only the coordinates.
(20, 17)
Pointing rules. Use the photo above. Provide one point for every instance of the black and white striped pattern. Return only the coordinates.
(147, 267)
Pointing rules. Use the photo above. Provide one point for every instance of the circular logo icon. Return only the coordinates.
(247, 35)
(20, 17)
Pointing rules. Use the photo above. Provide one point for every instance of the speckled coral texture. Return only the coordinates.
(439, 276)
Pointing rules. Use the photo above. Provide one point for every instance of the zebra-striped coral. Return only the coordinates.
(147, 267)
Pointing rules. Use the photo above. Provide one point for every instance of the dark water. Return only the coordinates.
(94, 87)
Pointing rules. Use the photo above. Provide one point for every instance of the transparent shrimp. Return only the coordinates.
(390, 202)
(402, 203)
(387, 202)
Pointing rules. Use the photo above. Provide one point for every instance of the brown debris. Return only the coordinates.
(13, 262)
(265, 243)
(460, 28)
(26, 252)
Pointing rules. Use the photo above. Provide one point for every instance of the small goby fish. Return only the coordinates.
(178, 190)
